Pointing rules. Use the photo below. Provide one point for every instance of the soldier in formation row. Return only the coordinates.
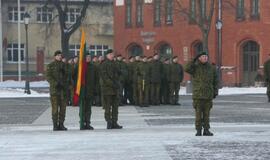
(110, 82)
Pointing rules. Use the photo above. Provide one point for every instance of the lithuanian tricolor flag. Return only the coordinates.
(80, 86)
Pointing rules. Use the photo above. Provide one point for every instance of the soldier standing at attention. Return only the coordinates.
(266, 69)
(57, 77)
(164, 88)
(155, 79)
(175, 77)
(143, 82)
(109, 79)
(205, 88)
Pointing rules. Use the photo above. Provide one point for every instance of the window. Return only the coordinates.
(13, 52)
(13, 14)
(203, 8)
(128, 13)
(192, 11)
(44, 14)
(139, 13)
(72, 15)
(157, 13)
(240, 15)
(169, 12)
(98, 50)
(74, 49)
(255, 14)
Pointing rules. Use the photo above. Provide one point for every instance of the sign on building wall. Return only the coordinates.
(119, 2)
(148, 1)
(185, 53)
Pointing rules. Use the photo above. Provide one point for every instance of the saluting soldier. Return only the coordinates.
(57, 76)
(205, 88)
(155, 79)
(266, 69)
(175, 77)
(109, 81)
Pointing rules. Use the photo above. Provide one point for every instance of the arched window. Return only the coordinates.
(165, 50)
(134, 50)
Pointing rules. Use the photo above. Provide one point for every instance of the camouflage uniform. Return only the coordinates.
(143, 83)
(175, 77)
(164, 89)
(109, 82)
(205, 88)
(57, 77)
(123, 74)
(266, 70)
(155, 80)
(90, 84)
(130, 97)
(135, 87)
(97, 100)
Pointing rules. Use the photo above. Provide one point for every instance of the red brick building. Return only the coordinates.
(149, 26)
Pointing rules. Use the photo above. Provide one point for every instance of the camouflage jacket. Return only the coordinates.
(176, 73)
(155, 71)
(56, 74)
(123, 70)
(204, 80)
(266, 69)
(109, 78)
(90, 79)
(143, 72)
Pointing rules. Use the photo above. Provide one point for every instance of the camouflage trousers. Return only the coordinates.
(58, 108)
(155, 93)
(174, 92)
(110, 105)
(202, 111)
(268, 90)
(143, 94)
(87, 112)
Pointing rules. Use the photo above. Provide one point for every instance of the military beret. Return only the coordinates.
(109, 51)
(57, 52)
(150, 57)
(175, 57)
(130, 57)
(202, 53)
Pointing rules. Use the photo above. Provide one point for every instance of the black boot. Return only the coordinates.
(62, 127)
(116, 126)
(55, 126)
(206, 132)
(109, 125)
(88, 127)
(199, 132)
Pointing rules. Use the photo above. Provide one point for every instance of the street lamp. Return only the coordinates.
(27, 84)
(219, 45)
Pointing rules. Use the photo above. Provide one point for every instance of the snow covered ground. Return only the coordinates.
(16, 89)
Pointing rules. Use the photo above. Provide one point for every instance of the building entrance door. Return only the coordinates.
(251, 52)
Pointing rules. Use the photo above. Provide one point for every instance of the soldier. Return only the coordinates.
(70, 82)
(123, 74)
(155, 79)
(90, 82)
(109, 87)
(97, 100)
(130, 80)
(266, 69)
(57, 78)
(143, 82)
(175, 77)
(205, 88)
(135, 79)
(164, 89)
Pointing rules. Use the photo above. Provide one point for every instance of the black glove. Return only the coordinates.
(215, 95)
(59, 85)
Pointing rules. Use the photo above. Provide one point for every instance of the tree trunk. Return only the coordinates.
(205, 41)
(65, 45)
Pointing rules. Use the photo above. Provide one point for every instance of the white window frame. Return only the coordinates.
(74, 49)
(76, 13)
(47, 12)
(13, 10)
(11, 48)
(98, 48)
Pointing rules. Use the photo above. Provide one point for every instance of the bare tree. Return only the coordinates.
(203, 13)
(67, 30)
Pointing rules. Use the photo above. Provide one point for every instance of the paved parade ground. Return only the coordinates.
(241, 124)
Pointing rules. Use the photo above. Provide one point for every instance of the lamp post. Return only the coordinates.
(219, 48)
(27, 84)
